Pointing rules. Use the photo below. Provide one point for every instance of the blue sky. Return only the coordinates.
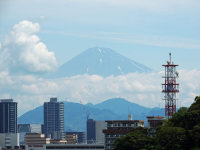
(145, 31)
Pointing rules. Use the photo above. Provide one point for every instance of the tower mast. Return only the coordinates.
(170, 88)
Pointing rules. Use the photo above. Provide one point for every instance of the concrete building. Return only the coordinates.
(8, 123)
(8, 116)
(91, 135)
(118, 128)
(81, 136)
(54, 119)
(75, 146)
(100, 126)
(36, 139)
(95, 131)
(71, 138)
(66, 147)
(60, 141)
(35, 147)
(154, 121)
(9, 140)
(28, 128)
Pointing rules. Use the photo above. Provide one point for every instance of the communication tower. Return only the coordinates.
(170, 88)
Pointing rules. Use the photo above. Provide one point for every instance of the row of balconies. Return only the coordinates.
(108, 147)
(122, 125)
(113, 135)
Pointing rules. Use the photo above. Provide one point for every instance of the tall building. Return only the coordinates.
(95, 131)
(91, 136)
(8, 123)
(54, 119)
(8, 116)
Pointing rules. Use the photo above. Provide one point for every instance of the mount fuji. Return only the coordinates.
(99, 61)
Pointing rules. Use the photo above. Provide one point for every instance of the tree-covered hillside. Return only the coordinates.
(181, 132)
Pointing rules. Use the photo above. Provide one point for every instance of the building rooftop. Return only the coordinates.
(158, 117)
(124, 121)
(6, 100)
(53, 99)
(118, 131)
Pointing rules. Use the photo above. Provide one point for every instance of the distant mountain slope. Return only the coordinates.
(122, 106)
(99, 61)
(75, 113)
(75, 116)
(32, 116)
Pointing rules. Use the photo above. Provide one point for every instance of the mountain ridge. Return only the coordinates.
(76, 113)
(99, 61)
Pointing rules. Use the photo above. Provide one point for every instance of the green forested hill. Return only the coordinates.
(181, 132)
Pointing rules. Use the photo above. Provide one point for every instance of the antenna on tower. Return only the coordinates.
(84, 109)
(170, 88)
(130, 116)
(170, 60)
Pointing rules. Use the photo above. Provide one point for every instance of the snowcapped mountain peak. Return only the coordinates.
(100, 50)
(100, 61)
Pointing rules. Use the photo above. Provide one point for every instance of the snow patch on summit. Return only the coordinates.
(100, 50)
(100, 60)
(119, 68)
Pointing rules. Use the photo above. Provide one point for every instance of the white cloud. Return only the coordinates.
(22, 50)
(143, 89)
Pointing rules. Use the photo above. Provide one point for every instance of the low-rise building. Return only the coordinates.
(28, 128)
(36, 139)
(154, 121)
(9, 140)
(61, 141)
(66, 147)
(118, 128)
(75, 146)
(72, 138)
(81, 136)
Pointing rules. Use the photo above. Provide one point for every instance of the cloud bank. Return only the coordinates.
(144, 89)
(23, 51)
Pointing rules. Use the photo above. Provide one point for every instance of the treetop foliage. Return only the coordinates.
(181, 132)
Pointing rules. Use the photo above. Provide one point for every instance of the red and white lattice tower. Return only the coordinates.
(170, 88)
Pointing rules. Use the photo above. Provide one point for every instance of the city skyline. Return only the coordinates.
(36, 37)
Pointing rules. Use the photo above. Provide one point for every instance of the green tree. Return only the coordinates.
(181, 131)
(171, 138)
(178, 118)
(135, 140)
(196, 135)
(196, 104)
